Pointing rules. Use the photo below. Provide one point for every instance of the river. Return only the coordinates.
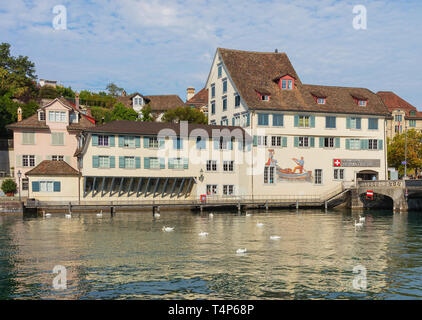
(129, 256)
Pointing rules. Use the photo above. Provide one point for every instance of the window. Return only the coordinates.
(153, 142)
(276, 141)
(412, 123)
(211, 165)
(330, 122)
(224, 103)
(200, 143)
(338, 174)
(212, 189)
(46, 186)
(213, 123)
(213, 90)
(373, 124)
(321, 100)
(57, 138)
(28, 138)
(28, 161)
(269, 174)
(137, 101)
(236, 100)
(245, 120)
(261, 140)
(42, 115)
(278, 120)
(25, 184)
(362, 103)
(130, 162)
(224, 85)
(318, 176)
(355, 123)
(103, 141)
(304, 122)
(178, 144)
(178, 163)
(303, 141)
(220, 70)
(57, 158)
(228, 166)
(129, 141)
(212, 107)
(57, 116)
(265, 97)
(354, 144)
(373, 144)
(263, 119)
(154, 163)
(287, 84)
(398, 117)
(224, 121)
(228, 190)
(104, 161)
(237, 119)
(398, 129)
(329, 142)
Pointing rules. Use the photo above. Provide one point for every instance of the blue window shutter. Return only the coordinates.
(138, 162)
(111, 140)
(112, 161)
(284, 142)
(146, 163)
(255, 141)
(296, 141)
(348, 123)
(216, 143)
(95, 162)
(321, 142)
(380, 144)
(230, 144)
(296, 120)
(121, 162)
(358, 123)
(312, 141)
(347, 144)
(185, 163)
(362, 144)
(162, 163)
(312, 121)
(121, 141)
(35, 186)
(94, 140)
(337, 142)
(162, 143)
(56, 186)
(137, 142)
(233, 121)
(171, 163)
(248, 120)
(146, 142)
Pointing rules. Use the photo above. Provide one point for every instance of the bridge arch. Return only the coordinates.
(379, 201)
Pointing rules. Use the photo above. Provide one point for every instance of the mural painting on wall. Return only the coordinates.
(298, 173)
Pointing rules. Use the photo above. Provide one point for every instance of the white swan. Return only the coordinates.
(203, 234)
(358, 224)
(68, 215)
(99, 215)
(249, 214)
(47, 215)
(157, 215)
(362, 219)
(211, 215)
(240, 251)
(168, 229)
(259, 224)
(275, 237)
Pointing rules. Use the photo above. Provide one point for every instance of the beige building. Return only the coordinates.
(403, 114)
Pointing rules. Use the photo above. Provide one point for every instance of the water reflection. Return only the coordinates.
(130, 257)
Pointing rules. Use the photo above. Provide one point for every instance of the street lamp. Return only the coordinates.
(19, 180)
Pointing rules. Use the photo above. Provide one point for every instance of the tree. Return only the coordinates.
(114, 90)
(8, 186)
(65, 92)
(185, 113)
(101, 114)
(120, 112)
(396, 151)
(147, 114)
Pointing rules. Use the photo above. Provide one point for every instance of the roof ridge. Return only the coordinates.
(246, 51)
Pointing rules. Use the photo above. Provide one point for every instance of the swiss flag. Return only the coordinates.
(337, 163)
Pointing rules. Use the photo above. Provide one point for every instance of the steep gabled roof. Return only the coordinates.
(50, 167)
(200, 99)
(252, 71)
(164, 102)
(394, 102)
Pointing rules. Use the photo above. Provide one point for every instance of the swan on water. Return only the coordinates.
(211, 215)
(362, 219)
(68, 215)
(249, 214)
(156, 215)
(203, 234)
(275, 237)
(100, 214)
(47, 215)
(358, 224)
(239, 251)
(260, 224)
(168, 229)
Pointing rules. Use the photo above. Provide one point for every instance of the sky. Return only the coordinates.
(165, 46)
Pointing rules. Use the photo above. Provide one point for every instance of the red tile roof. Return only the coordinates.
(50, 167)
(200, 99)
(394, 102)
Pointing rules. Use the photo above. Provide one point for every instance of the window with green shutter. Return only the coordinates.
(146, 163)
(373, 124)
(94, 140)
(35, 186)
(278, 120)
(56, 186)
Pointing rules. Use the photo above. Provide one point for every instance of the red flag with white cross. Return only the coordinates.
(337, 163)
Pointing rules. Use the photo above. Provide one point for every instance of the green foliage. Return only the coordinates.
(8, 186)
(114, 90)
(65, 92)
(93, 99)
(147, 114)
(120, 112)
(48, 92)
(101, 114)
(396, 151)
(185, 113)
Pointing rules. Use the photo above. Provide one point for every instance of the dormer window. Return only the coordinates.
(265, 97)
(137, 101)
(286, 84)
(321, 100)
(362, 103)
(41, 116)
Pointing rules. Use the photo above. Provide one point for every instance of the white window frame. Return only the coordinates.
(354, 144)
(228, 166)
(318, 178)
(227, 191)
(103, 162)
(211, 166)
(303, 142)
(338, 174)
(212, 189)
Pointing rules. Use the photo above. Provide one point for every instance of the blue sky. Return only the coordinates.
(164, 46)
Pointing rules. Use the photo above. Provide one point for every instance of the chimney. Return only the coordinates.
(276, 50)
(77, 100)
(190, 93)
(19, 114)
(123, 93)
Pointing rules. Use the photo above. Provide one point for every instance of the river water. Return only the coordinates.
(130, 257)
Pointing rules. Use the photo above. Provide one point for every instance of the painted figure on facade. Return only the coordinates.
(288, 173)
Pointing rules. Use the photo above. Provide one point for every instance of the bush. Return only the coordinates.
(8, 186)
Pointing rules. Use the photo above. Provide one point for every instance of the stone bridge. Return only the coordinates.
(396, 190)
